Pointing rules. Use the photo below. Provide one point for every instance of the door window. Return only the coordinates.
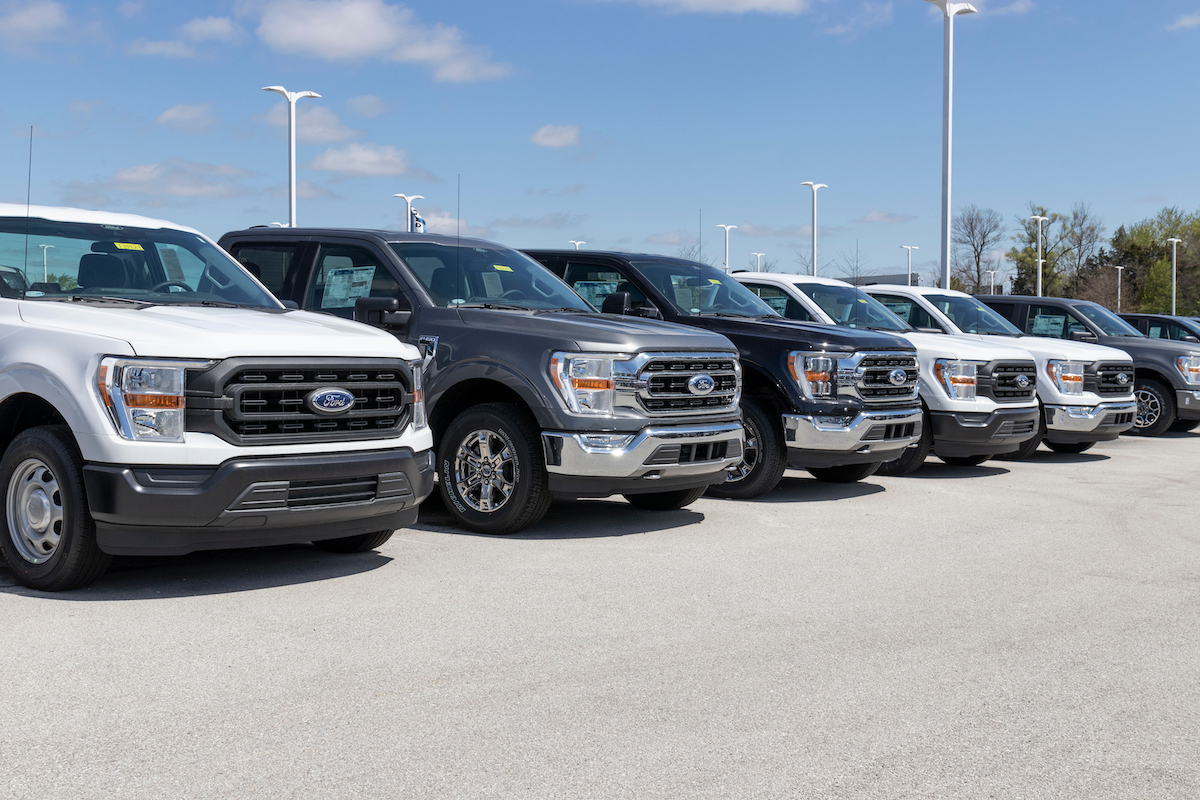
(1053, 322)
(344, 273)
(1163, 329)
(594, 282)
(781, 301)
(908, 310)
(270, 263)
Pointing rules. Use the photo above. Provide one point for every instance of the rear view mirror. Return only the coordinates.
(617, 303)
(380, 311)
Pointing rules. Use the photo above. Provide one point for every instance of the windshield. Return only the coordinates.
(972, 316)
(1108, 322)
(695, 290)
(46, 260)
(464, 275)
(852, 307)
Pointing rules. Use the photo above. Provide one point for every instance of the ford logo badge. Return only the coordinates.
(1122, 379)
(1022, 382)
(701, 384)
(330, 401)
(897, 377)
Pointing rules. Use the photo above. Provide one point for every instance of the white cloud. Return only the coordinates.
(872, 15)
(554, 221)
(129, 9)
(885, 217)
(443, 222)
(750, 229)
(556, 136)
(164, 183)
(672, 238)
(367, 105)
(28, 24)
(188, 117)
(363, 160)
(726, 6)
(357, 30)
(170, 49)
(315, 124)
(216, 29)
(1186, 22)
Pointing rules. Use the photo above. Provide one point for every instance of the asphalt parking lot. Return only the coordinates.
(1019, 630)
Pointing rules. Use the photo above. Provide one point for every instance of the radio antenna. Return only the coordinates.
(28, 196)
(458, 237)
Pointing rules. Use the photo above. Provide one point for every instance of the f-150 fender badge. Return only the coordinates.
(330, 401)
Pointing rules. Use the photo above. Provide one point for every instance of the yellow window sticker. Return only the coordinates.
(128, 246)
(714, 280)
(502, 268)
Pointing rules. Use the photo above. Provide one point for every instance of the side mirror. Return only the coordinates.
(1083, 336)
(380, 311)
(649, 312)
(1189, 339)
(617, 303)
(930, 330)
(290, 304)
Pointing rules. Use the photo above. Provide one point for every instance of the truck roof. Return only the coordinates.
(88, 216)
(379, 233)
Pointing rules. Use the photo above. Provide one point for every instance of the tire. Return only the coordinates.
(354, 544)
(965, 461)
(510, 496)
(1185, 425)
(913, 456)
(847, 473)
(1070, 447)
(49, 537)
(765, 456)
(665, 501)
(1155, 408)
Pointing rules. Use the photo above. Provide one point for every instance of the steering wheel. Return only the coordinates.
(166, 284)
(513, 294)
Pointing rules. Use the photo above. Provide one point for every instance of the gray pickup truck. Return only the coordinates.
(532, 394)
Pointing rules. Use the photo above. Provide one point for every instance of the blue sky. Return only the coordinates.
(612, 121)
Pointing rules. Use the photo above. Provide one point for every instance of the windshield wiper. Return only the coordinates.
(209, 303)
(501, 306)
(568, 309)
(733, 315)
(100, 298)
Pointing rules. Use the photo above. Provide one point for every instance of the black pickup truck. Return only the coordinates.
(1166, 373)
(837, 402)
(531, 393)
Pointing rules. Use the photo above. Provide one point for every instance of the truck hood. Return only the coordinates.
(1063, 349)
(599, 332)
(210, 333)
(805, 335)
(1153, 347)
(940, 345)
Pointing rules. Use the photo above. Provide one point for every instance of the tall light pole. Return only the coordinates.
(1174, 252)
(759, 257)
(909, 248)
(950, 10)
(572, 241)
(991, 280)
(1119, 270)
(408, 201)
(814, 186)
(291, 98)
(1040, 260)
(727, 228)
(46, 247)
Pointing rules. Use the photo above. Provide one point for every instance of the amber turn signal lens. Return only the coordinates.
(153, 401)
(592, 383)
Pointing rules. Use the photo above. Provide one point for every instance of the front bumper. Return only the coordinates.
(651, 460)
(1101, 423)
(255, 502)
(969, 433)
(1187, 404)
(815, 441)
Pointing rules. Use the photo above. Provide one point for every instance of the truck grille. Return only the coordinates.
(688, 453)
(1002, 382)
(667, 381)
(1102, 379)
(306, 494)
(884, 433)
(870, 377)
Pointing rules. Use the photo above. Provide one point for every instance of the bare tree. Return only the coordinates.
(692, 252)
(853, 265)
(803, 257)
(769, 265)
(1082, 236)
(977, 234)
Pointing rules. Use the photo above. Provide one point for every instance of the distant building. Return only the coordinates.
(900, 278)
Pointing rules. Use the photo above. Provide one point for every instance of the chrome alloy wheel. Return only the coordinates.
(35, 511)
(741, 470)
(485, 471)
(1149, 409)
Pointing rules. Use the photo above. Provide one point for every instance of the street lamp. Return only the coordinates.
(991, 280)
(1174, 252)
(1041, 260)
(46, 247)
(1118, 269)
(814, 186)
(408, 201)
(909, 248)
(291, 98)
(572, 241)
(950, 10)
(759, 257)
(727, 228)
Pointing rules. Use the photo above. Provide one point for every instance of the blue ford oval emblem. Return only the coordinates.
(330, 401)
(1022, 382)
(897, 377)
(701, 384)
(1122, 379)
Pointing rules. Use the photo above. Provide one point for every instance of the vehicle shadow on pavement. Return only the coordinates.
(581, 519)
(938, 470)
(811, 490)
(1050, 457)
(210, 572)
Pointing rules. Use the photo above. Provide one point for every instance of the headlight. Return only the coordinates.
(1067, 376)
(1190, 367)
(419, 420)
(957, 378)
(585, 381)
(815, 375)
(145, 398)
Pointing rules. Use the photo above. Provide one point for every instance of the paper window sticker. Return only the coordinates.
(491, 284)
(170, 260)
(345, 285)
(128, 246)
(502, 268)
(714, 280)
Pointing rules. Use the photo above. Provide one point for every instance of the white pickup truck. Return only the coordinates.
(979, 398)
(156, 399)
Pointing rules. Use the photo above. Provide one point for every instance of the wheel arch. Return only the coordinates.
(24, 410)
(467, 394)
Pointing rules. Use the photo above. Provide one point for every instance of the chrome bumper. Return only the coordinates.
(858, 434)
(1086, 419)
(665, 452)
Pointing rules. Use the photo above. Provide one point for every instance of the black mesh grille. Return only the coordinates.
(875, 382)
(306, 494)
(688, 453)
(1001, 382)
(1103, 379)
(883, 433)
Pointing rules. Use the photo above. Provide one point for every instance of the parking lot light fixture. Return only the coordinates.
(991, 280)
(291, 98)
(408, 201)
(909, 248)
(814, 186)
(46, 247)
(759, 257)
(572, 241)
(1174, 242)
(1119, 270)
(727, 228)
(1040, 260)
